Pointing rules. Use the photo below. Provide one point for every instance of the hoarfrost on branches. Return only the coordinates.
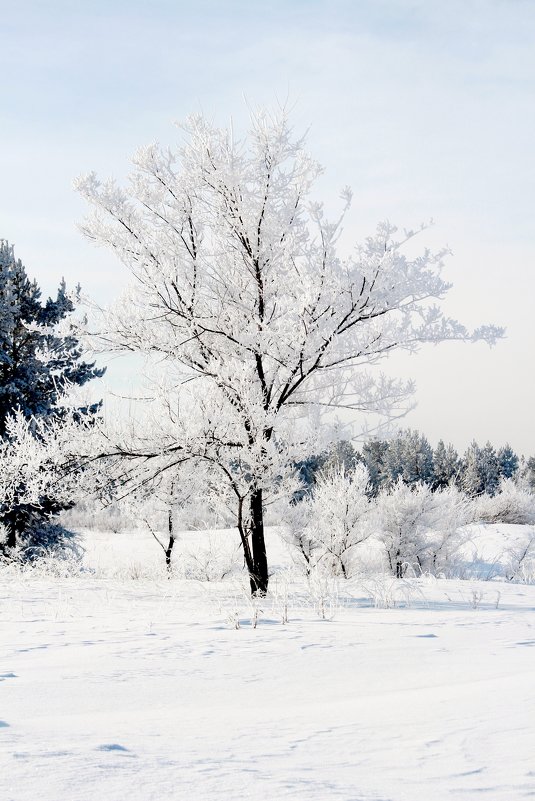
(421, 530)
(240, 290)
(327, 527)
(40, 457)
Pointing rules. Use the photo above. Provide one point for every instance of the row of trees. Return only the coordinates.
(408, 456)
(341, 526)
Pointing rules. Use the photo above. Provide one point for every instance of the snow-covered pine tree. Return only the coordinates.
(373, 455)
(527, 472)
(507, 461)
(340, 455)
(472, 480)
(489, 469)
(409, 456)
(40, 359)
(417, 458)
(446, 466)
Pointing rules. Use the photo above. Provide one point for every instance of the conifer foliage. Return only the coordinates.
(40, 361)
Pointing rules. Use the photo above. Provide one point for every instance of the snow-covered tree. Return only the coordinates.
(507, 461)
(40, 362)
(446, 466)
(511, 504)
(374, 454)
(526, 472)
(420, 529)
(400, 525)
(449, 512)
(328, 526)
(409, 456)
(40, 357)
(489, 468)
(241, 289)
(39, 460)
(340, 455)
(175, 500)
(471, 479)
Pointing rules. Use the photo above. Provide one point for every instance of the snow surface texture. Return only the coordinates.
(120, 689)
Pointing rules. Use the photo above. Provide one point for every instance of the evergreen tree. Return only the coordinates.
(489, 468)
(507, 461)
(373, 456)
(340, 455)
(418, 459)
(446, 466)
(307, 470)
(528, 472)
(40, 359)
(409, 456)
(472, 480)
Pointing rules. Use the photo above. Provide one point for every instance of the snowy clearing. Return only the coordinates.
(145, 690)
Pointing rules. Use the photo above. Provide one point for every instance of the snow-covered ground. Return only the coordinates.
(117, 688)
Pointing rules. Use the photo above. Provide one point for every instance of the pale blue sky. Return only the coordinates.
(427, 109)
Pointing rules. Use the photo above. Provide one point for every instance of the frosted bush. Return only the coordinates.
(520, 557)
(327, 528)
(209, 558)
(512, 504)
(421, 531)
(388, 592)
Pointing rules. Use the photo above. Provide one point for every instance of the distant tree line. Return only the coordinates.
(409, 457)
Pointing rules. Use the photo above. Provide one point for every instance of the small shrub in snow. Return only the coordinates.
(51, 564)
(327, 527)
(388, 592)
(520, 557)
(210, 558)
(324, 592)
(280, 594)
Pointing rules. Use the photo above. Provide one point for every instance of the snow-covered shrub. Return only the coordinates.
(512, 504)
(39, 461)
(520, 556)
(327, 527)
(51, 563)
(324, 592)
(280, 593)
(421, 531)
(209, 558)
(388, 592)
(92, 514)
(54, 542)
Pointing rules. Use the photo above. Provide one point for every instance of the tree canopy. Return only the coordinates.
(262, 323)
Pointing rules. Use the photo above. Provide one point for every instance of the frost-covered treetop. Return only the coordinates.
(239, 282)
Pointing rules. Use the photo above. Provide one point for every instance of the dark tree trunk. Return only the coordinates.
(399, 569)
(259, 574)
(171, 542)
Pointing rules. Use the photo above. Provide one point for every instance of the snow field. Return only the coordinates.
(113, 688)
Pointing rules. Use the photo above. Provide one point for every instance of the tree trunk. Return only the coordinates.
(259, 575)
(171, 542)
